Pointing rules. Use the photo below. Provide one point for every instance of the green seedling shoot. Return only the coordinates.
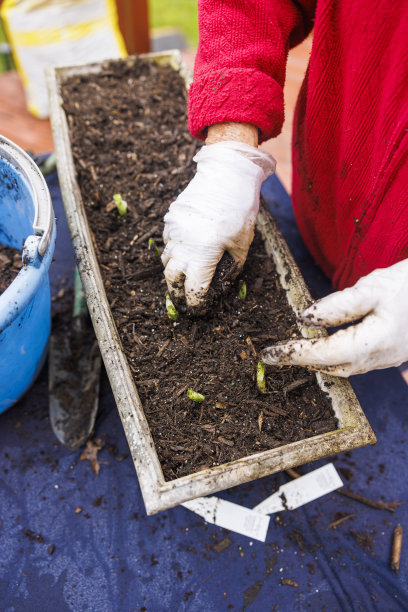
(152, 246)
(196, 397)
(121, 205)
(171, 309)
(242, 292)
(260, 377)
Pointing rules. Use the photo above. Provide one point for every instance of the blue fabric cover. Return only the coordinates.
(110, 557)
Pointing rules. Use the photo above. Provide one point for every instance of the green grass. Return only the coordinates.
(6, 62)
(2, 34)
(180, 14)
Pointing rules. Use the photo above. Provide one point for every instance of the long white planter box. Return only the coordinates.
(158, 494)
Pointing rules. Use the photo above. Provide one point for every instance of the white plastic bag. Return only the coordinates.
(45, 33)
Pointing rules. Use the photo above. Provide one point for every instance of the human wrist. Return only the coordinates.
(236, 154)
(231, 131)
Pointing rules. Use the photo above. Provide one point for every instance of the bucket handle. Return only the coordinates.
(43, 212)
(15, 299)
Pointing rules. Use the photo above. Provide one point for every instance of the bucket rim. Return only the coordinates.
(43, 211)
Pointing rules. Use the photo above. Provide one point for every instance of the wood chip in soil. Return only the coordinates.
(129, 135)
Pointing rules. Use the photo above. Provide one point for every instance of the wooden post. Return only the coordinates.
(134, 25)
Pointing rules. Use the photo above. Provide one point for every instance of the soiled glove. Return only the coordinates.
(379, 341)
(215, 213)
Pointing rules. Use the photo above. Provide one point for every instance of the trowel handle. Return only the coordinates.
(80, 307)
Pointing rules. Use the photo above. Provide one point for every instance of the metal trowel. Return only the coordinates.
(74, 373)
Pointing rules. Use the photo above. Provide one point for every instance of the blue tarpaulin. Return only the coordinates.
(74, 541)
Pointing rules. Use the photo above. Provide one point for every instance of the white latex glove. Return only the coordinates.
(215, 213)
(379, 341)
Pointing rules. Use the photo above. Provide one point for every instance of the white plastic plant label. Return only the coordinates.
(302, 490)
(230, 516)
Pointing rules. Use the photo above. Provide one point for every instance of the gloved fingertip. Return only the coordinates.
(309, 314)
(175, 284)
(239, 255)
(196, 289)
(176, 290)
(196, 303)
(270, 356)
(286, 352)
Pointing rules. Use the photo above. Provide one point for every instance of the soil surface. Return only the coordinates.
(10, 266)
(129, 136)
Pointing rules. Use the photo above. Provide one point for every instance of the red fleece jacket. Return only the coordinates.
(350, 141)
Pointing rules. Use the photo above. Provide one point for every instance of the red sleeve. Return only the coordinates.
(241, 61)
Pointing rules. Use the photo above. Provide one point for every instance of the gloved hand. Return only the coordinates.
(379, 341)
(215, 213)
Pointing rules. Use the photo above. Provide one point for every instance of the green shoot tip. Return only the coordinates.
(171, 309)
(152, 246)
(121, 205)
(260, 377)
(196, 397)
(242, 292)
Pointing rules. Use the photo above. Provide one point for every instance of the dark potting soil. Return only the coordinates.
(129, 136)
(10, 266)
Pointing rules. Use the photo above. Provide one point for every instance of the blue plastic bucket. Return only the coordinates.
(26, 222)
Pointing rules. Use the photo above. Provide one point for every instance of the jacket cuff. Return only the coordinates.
(238, 95)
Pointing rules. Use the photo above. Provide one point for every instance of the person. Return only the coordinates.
(350, 165)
